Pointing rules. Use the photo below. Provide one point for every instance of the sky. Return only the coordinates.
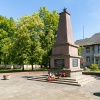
(83, 12)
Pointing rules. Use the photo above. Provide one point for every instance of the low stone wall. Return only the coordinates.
(10, 66)
(24, 73)
(19, 66)
(91, 73)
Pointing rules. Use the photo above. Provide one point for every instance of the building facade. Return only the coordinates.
(91, 51)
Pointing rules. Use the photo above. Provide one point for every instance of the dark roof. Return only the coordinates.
(95, 39)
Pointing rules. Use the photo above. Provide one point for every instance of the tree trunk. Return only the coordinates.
(41, 66)
(22, 67)
(5, 63)
(0, 60)
(32, 67)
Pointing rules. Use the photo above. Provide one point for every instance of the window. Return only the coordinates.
(87, 59)
(96, 61)
(93, 48)
(87, 49)
(92, 59)
(99, 48)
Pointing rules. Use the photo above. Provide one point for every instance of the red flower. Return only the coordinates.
(63, 74)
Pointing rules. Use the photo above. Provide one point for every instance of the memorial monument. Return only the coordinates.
(64, 60)
(64, 52)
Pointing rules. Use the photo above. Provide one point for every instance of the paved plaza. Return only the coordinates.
(19, 88)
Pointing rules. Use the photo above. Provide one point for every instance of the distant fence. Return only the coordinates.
(19, 66)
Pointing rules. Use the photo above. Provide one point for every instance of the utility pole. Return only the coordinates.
(83, 31)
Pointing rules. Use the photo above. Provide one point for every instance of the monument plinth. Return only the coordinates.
(65, 52)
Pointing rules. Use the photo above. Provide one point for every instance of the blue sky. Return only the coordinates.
(83, 12)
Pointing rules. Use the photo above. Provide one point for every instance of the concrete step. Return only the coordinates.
(67, 78)
(60, 79)
(77, 81)
(67, 83)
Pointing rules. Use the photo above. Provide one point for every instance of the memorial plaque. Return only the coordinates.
(75, 62)
(59, 63)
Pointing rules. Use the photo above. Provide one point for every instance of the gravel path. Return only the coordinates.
(19, 88)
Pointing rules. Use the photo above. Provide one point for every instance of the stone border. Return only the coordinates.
(24, 73)
(91, 73)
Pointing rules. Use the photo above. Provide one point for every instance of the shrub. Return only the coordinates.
(82, 60)
(94, 67)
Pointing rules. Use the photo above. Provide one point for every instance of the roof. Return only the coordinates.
(95, 39)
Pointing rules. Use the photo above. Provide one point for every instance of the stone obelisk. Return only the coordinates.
(65, 52)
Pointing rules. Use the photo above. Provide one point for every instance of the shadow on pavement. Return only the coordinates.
(44, 75)
(34, 76)
(97, 94)
(27, 76)
(97, 77)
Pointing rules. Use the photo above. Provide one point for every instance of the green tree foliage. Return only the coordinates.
(28, 43)
(80, 48)
(50, 21)
(94, 67)
(7, 28)
(20, 49)
(82, 59)
(30, 39)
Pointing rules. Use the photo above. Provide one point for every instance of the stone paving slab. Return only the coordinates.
(19, 88)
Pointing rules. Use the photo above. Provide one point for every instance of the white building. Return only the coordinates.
(91, 51)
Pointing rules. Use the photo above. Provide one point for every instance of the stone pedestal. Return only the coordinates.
(73, 73)
(69, 72)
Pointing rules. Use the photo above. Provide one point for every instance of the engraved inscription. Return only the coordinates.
(75, 62)
(59, 63)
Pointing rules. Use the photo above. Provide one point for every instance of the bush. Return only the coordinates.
(94, 67)
(82, 60)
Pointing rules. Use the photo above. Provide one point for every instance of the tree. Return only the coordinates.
(7, 28)
(50, 20)
(20, 47)
(82, 59)
(80, 48)
(36, 52)
(29, 32)
(30, 39)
